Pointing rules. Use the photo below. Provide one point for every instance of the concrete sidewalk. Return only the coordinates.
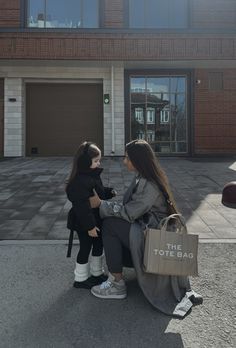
(33, 203)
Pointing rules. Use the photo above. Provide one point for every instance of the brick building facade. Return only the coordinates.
(114, 70)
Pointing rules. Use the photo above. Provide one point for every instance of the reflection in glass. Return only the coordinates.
(136, 11)
(165, 116)
(150, 115)
(137, 121)
(158, 113)
(178, 108)
(58, 14)
(90, 14)
(36, 13)
(177, 85)
(178, 147)
(62, 15)
(158, 13)
(158, 84)
(137, 84)
(139, 115)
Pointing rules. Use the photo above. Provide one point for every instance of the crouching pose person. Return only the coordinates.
(147, 201)
(84, 178)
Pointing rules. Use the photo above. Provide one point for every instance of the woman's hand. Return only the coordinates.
(95, 201)
(93, 232)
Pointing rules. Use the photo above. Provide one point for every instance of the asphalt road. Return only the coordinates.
(40, 308)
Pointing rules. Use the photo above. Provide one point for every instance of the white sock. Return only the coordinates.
(81, 272)
(96, 268)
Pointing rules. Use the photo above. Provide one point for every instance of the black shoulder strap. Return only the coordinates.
(71, 237)
(165, 194)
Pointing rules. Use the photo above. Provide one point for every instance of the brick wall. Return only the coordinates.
(10, 13)
(213, 14)
(215, 114)
(115, 46)
(113, 13)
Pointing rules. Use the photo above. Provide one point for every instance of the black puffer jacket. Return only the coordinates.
(82, 217)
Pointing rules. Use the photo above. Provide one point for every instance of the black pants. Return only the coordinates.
(86, 244)
(115, 235)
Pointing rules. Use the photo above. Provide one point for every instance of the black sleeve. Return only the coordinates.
(108, 193)
(102, 191)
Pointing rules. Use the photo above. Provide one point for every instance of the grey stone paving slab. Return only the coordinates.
(42, 178)
(52, 207)
(227, 232)
(24, 213)
(32, 191)
(11, 229)
(58, 231)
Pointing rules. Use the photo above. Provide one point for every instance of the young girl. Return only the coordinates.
(83, 180)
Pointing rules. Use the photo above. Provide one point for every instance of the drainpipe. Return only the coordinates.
(112, 113)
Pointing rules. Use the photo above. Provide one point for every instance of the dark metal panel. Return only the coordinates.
(60, 116)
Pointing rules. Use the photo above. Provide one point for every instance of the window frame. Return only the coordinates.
(139, 115)
(165, 116)
(127, 20)
(140, 73)
(24, 19)
(150, 112)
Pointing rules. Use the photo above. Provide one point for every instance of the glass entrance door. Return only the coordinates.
(159, 112)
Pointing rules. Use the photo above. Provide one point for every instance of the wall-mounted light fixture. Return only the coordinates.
(12, 100)
(198, 82)
(106, 98)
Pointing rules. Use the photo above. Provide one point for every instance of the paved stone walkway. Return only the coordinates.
(33, 203)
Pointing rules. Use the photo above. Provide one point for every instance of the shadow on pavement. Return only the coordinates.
(76, 319)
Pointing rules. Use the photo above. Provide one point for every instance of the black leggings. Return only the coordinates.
(86, 244)
(115, 235)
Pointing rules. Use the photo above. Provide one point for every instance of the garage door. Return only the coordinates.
(60, 116)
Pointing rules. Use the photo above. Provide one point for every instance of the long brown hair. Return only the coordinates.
(83, 159)
(146, 163)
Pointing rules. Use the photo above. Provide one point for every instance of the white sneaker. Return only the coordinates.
(110, 289)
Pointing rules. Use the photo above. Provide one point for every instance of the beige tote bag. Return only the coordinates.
(171, 253)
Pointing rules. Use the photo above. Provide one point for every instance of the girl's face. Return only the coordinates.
(128, 163)
(96, 161)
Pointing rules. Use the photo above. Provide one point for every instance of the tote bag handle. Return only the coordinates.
(179, 218)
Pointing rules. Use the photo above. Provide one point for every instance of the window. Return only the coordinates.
(140, 135)
(63, 14)
(150, 115)
(150, 136)
(164, 116)
(139, 115)
(158, 111)
(158, 14)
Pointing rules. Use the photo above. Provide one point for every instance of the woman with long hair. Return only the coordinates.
(146, 202)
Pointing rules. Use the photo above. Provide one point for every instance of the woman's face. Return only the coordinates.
(128, 163)
(96, 161)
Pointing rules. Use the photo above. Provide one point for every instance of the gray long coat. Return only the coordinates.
(170, 294)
